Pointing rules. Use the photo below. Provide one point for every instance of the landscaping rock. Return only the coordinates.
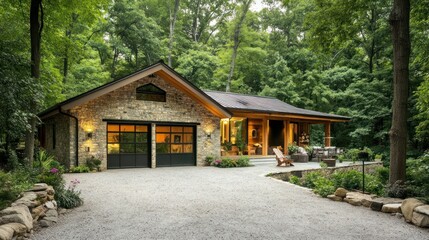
(424, 209)
(51, 213)
(39, 187)
(358, 199)
(41, 194)
(45, 223)
(18, 228)
(50, 190)
(391, 208)
(50, 205)
(341, 192)
(38, 212)
(407, 207)
(420, 220)
(399, 215)
(28, 199)
(335, 198)
(17, 214)
(6, 233)
(377, 203)
(50, 198)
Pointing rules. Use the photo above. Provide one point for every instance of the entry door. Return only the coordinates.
(128, 146)
(175, 146)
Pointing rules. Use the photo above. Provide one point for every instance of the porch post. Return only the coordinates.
(265, 127)
(153, 143)
(327, 134)
(285, 135)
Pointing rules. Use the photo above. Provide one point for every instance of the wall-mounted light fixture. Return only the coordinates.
(209, 134)
(87, 149)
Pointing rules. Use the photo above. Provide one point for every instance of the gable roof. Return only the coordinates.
(235, 101)
(160, 69)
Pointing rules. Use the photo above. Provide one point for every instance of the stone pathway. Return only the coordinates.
(214, 203)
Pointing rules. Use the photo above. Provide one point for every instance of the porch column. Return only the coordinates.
(153, 143)
(285, 136)
(265, 129)
(327, 134)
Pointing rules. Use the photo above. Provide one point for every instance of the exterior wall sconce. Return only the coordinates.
(209, 134)
(87, 149)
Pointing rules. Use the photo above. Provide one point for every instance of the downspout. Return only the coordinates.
(76, 132)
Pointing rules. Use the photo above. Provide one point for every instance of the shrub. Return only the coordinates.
(323, 165)
(323, 186)
(373, 185)
(69, 198)
(418, 177)
(227, 163)
(11, 185)
(80, 169)
(347, 179)
(382, 174)
(294, 180)
(310, 178)
(93, 163)
(292, 148)
(209, 160)
(243, 161)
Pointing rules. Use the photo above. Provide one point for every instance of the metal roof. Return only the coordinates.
(236, 101)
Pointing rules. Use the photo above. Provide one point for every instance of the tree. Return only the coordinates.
(236, 38)
(173, 17)
(400, 26)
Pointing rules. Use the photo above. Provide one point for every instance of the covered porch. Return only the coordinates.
(258, 134)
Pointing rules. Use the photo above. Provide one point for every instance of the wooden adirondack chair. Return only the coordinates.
(281, 159)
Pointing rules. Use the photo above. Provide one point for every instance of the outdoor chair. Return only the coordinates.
(281, 159)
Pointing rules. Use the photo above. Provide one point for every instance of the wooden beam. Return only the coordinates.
(327, 134)
(280, 116)
(266, 128)
(285, 135)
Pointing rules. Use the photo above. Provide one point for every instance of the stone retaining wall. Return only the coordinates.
(36, 207)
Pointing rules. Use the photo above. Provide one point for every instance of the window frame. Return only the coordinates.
(155, 94)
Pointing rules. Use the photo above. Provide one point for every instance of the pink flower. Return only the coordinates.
(54, 170)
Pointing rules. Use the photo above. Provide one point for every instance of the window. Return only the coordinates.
(124, 139)
(150, 92)
(174, 139)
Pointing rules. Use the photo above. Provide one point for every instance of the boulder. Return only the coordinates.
(407, 207)
(38, 212)
(51, 213)
(45, 223)
(6, 233)
(17, 214)
(424, 209)
(29, 199)
(391, 208)
(41, 194)
(335, 198)
(50, 190)
(341, 192)
(358, 199)
(18, 228)
(39, 187)
(377, 203)
(50, 205)
(50, 198)
(420, 220)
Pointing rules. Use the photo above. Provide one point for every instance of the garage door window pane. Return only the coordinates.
(112, 148)
(127, 148)
(187, 138)
(113, 137)
(127, 137)
(188, 129)
(177, 138)
(176, 129)
(162, 148)
(113, 127)
(141, 137)
(176, 148)
(187, 148)
(162, 129)
(127, 128)
(140, 128)
(141, 148)
(163, 138)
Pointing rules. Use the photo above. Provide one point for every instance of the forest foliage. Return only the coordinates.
(327, 55)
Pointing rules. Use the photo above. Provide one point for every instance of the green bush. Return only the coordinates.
(353, 154)
(310, 178)
(350, 180)
(227, 163)
(69, 198)
(243, 161)
(209, 160)
(418, 177)
(80, 169)
(324, 186)
(292, 148)
(11, 185)
(93, 163)
(373, 185)
(294, 180)
(382, 174)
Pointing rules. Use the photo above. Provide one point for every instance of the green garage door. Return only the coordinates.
(175, 146)
(128, 146)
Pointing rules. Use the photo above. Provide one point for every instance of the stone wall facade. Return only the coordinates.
(122, 104)
(62, 126)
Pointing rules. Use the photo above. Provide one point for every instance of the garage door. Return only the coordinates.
(128, 146)
(175, 146)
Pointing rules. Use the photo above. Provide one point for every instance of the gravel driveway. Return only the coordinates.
(213, 203)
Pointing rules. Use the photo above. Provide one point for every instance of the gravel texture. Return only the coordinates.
(214, 203)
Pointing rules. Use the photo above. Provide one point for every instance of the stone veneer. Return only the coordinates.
(121, 104)
(63, 144)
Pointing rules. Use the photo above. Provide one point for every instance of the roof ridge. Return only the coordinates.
(242, 94)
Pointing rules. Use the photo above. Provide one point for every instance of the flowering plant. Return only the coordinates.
(54, 170)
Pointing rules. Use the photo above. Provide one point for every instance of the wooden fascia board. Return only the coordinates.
(240, 113)
(111, 88)
(191, 92)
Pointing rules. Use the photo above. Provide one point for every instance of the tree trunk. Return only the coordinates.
(36, 26)
(237, 30)
(173, 18)
(400, 26)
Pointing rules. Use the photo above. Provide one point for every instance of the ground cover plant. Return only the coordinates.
(241, 161)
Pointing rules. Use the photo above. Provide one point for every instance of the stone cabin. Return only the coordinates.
(155, 118)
